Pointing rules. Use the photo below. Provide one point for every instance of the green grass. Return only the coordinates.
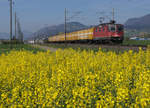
(137, 42)
(5, 48)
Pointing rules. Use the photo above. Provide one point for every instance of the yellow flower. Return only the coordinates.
(74, 78)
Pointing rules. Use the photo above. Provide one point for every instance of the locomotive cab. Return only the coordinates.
(109, 31)
(116, 32)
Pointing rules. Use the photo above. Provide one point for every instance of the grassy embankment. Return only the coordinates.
(4, 48)
(137, 42)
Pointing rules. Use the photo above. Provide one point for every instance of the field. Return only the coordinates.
(137, 42)
(75, 78)
(5, 48)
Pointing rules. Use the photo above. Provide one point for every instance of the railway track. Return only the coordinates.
(106, 46)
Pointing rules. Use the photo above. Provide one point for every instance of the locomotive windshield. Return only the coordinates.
(120, 28)
(112, 28)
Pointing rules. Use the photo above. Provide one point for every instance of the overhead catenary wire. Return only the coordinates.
(69, 18)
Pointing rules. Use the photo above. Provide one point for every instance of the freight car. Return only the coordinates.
(110, 32)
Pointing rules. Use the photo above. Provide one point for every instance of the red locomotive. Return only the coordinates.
(109, 31)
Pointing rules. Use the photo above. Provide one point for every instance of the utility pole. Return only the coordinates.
(20, 33)
(113, 15)
(15, 25)
(10, 19)
(65, 23)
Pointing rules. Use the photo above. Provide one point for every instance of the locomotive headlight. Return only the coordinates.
(116, 35)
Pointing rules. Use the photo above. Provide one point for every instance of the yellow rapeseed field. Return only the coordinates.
(75, 79)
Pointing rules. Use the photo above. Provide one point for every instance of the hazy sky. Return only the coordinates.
(35, 14)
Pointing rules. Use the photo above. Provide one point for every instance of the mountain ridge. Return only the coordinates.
(56, 29)
(141, 23)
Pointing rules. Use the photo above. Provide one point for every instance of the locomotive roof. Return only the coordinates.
(107, 24)
(111, 22)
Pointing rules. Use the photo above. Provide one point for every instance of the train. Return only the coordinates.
(105, 32)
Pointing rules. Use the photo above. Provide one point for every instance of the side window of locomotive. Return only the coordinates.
(95, 29)
(120, 28)
(103, 29)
